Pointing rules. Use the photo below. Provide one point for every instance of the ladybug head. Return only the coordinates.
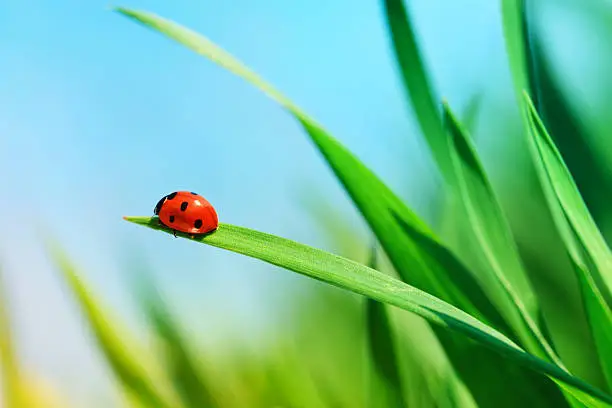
(159, 205)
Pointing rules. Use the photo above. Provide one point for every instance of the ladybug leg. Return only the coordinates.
(174, 232)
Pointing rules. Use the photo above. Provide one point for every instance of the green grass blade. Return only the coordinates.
(529, 76)
(568, 196)
(417, 84)
(377, 203)
(12, 386)
(564, 200)
(508, 277)
(505, 280)
(471, 113)
(513, 16)
(130, 373)
(569, 132)
(358, 278)
(181, 364)
(386, 384)
(600, 319)
(486, 375)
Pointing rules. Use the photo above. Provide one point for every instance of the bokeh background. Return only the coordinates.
(99, 118)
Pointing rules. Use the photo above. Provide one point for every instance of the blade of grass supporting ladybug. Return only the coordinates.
(386, 383)
(564, 200)
(11, 375)
(418, 84)
(377, 203)
(128, 370)
(358, 278)
(497, 245)
(183, 371)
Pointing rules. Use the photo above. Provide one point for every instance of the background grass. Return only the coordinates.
(506, 302)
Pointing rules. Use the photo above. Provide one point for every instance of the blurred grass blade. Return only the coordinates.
(497, 245)
(12, 386)
(131, 374)
(386, 383)
(418, 85)
(360, 279)
(377, 203)
(471, 113)
(181, 363)
(564, 200)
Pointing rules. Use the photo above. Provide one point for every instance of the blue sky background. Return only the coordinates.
(100, 117)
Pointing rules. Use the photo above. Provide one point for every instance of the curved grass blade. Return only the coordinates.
(513, 12)
(386, 384)
(568, 132)
(568, 196)
(376, 202)
(418, 86)
(131, 375)
(487, 375)
(504, 279)
(183, 371)
(529, 76)
(497, 245)
(600, 319)
(564, 200)
(358, 278)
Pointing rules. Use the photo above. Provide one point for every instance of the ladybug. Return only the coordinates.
(186, 212)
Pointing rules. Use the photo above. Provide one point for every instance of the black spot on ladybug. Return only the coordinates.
(158, 206)
(171, 196)
(184, 205)
(194, 193)
(197, 224)
(172, 218)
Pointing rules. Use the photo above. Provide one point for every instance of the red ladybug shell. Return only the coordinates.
(186, 212)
